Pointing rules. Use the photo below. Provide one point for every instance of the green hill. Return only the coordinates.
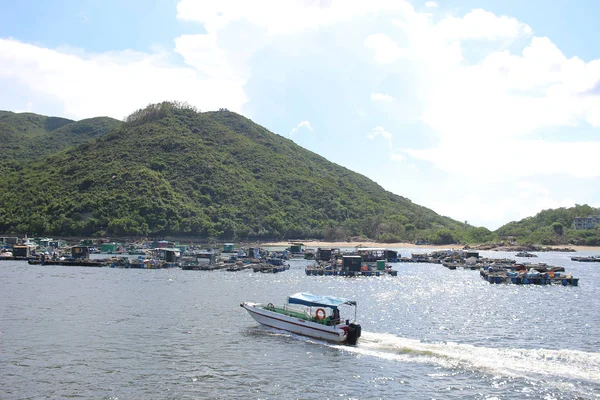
(169, 170)
(28, 136)
(553, 227)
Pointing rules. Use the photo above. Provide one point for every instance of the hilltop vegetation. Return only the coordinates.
(170, 170)
(28, 136)
(551, 227)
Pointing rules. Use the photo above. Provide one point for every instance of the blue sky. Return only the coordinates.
(485, 111)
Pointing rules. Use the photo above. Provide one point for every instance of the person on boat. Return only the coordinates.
(334, 318)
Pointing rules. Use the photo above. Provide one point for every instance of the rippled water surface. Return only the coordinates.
(427, 333)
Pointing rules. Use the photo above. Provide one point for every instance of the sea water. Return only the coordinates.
(429, 333)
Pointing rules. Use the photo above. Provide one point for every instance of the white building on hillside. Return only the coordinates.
(589, 222)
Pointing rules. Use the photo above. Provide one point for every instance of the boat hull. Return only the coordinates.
(334, 333)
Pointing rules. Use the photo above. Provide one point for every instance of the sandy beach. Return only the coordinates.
(310, 244)
(313, 244)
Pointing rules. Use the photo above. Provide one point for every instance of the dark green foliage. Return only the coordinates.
(442, 236)
(479, 235)
(154, 112)
(169, 170)
(554, 227)
(27, 136)
(558, 228)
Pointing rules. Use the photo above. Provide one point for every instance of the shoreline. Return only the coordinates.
(317, 243)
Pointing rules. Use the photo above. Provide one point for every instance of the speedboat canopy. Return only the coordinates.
(313, 300)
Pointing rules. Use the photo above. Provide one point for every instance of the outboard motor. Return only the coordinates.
(354, 331)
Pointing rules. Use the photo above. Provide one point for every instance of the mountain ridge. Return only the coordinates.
(170, 170)
(27, 136)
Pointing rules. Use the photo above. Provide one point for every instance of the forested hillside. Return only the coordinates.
(170, 170)
(27, 136)
(554, 227)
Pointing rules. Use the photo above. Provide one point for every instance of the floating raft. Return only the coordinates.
(212, 267)
(531, 277)
(462, 265)
(317, 270)
(586, 259)
(525, 254)
(475, 264)
(268, 267)
(72, 262)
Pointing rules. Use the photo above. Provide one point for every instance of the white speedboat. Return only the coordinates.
(309, 315)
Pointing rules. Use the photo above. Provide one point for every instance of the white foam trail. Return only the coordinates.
(528, 363)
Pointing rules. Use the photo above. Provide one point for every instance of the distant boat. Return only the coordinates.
(304, 314)
(586, 259)
(525, 254)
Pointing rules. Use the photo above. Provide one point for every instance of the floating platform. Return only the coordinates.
(525, 254)
(324, 271)
(530, 277)
(270, 268)
(72, 263)
(17, 258)
(586, 259)
(209, 266)
(462, 265)
(350, 265)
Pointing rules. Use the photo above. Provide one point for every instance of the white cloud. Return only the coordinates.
(386, 50)
(488, 206)
(381, 97)
(379, 131)
(481, 24)
(217, 63)
(495, 160)
(203, 53)
(113, 84)
(397, 157)
(28, 108)
(485, 112)
(281, 17)
(302, 125)
(431, 4)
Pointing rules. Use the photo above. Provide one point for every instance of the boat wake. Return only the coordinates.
(532, 364)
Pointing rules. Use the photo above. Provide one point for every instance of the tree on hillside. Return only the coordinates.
(557, 227)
